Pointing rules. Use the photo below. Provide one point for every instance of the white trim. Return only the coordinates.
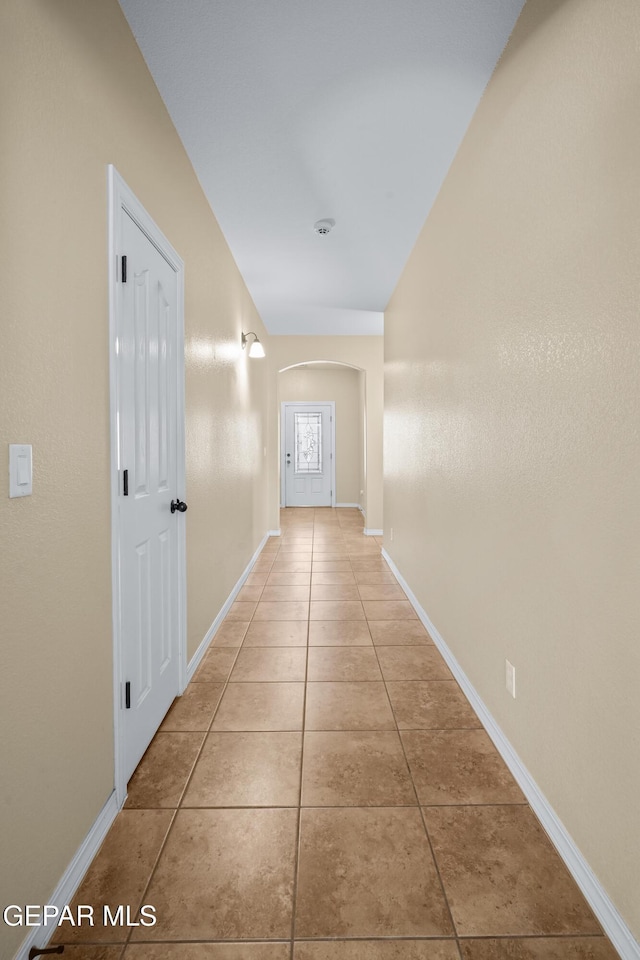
(373, 532)
(273, 533)
(73, 875)
(120, 198)
(355, 506)
(612, 923)
(194, 663)
(306, 403)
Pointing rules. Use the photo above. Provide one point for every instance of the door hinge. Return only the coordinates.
(127, 695)
(125, 483)
(123, 271)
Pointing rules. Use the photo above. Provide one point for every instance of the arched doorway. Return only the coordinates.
(320, 383)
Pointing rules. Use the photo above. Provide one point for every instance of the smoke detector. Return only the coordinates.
(323, 227)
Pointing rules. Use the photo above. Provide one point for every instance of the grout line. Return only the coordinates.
(420, 810)
(296, 865)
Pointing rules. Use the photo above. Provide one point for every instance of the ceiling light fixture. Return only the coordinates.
(324, 226)
(255, 349)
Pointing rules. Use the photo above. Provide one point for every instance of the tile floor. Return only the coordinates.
(324, 791)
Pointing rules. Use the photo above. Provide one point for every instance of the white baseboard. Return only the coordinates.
(613, 924)
(194, 663)
(354, 506)
(72, 877)
(273, 533)
(373, 532)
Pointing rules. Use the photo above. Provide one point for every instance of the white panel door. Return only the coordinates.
(148, 459)
(308, 454)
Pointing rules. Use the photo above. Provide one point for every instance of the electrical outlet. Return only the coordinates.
(391, 533)
(510, 678)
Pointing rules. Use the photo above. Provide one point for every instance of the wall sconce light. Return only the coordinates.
(255, 349)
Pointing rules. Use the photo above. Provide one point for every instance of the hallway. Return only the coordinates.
(324, 785)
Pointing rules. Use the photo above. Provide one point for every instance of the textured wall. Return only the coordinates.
(365, 353)
(511, 419)
(342, 385)
(75, 95)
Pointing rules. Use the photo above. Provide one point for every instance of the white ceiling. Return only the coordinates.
(297, 110)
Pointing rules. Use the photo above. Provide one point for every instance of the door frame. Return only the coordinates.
(123, 202)
(306, 403)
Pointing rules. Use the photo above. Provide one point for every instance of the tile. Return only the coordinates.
(389, 610)
(381, 591)
(369, 564)
(247, 770)
(343, 663)
(339, 633)
(86, 952)
(347, 768)
(332, 577)
(194, 710)
(241, 610)
(277, 633)
(260, 706)
(374, 576)
(458, 766)
(282, 610)
(286, 592)
(119, 873)
(342, 591)
(290, 553)
(336, 610)
(207, 951)
(224, 874)
(348, 706)
(430, 705)
(257, 578)
(250, 592)
(326, 556)
(330, 566)
(375, 950)
(230, 633)
(162, 774)
(390, 632)
(545, 948)
(501, 875)
(268, 664)
(412, 663)
(285, 578)
(291, 566)
(215, 665)
(381, 883)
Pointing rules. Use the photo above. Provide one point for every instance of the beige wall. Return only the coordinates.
(511, 421)
(365, 353)
(75, 95)
(342, 385)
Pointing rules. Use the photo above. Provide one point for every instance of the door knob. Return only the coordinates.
(178, 505)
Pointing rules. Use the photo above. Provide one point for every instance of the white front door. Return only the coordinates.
(308, 454)
(150, 451)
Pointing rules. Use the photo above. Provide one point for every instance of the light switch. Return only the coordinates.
(20, 470)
